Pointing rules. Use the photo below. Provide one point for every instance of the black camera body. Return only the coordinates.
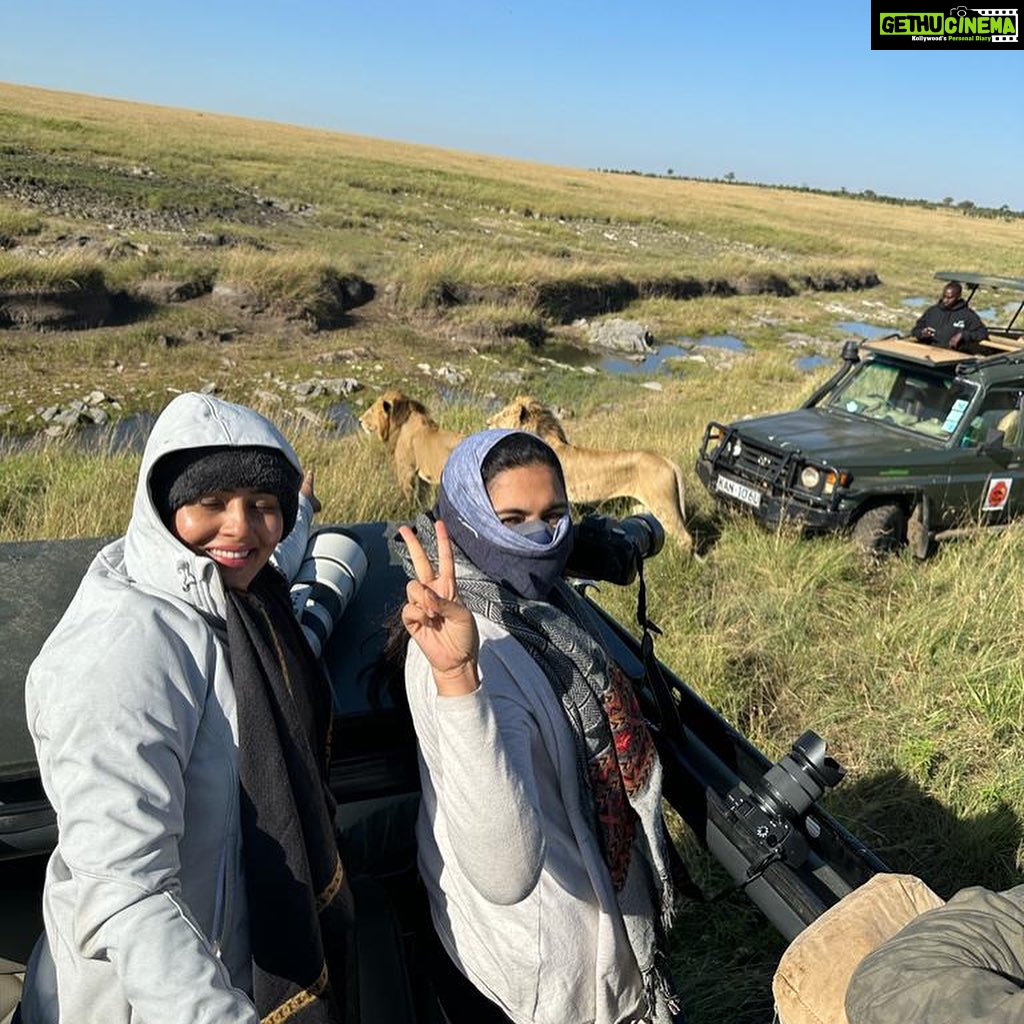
(751, 828)
(611, 549)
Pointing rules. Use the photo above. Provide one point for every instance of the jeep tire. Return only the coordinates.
(881, 529)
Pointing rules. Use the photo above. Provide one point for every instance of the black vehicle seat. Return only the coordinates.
(385, 990)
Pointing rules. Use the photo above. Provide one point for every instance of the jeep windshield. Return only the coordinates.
(911, 397)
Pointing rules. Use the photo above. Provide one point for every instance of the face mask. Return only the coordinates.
(536, 530)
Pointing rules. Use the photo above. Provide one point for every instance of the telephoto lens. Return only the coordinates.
(330, 575)
(612, 549)
(645, 532)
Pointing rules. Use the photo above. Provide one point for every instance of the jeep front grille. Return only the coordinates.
(757, 462)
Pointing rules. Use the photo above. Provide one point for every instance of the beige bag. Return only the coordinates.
(811, 980)
(11, 977)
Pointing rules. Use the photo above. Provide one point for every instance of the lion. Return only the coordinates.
(419, 448)
(594, 474)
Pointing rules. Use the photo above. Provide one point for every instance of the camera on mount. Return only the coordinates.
(751, 827)
(611, 549)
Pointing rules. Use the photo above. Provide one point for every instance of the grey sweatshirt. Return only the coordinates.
(132, 710)
(519, 890)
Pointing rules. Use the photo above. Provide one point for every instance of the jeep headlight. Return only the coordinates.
(810, 478)
(736, 448)
(835, 478)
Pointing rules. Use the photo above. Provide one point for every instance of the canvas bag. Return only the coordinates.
(12, 976)
(810, 982)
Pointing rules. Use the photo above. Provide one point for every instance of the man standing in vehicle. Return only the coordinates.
(950, 323)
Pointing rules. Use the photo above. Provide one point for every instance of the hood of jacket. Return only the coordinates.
(153, 556)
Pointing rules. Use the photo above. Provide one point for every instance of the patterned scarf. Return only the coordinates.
(617, 765)
(300, 908)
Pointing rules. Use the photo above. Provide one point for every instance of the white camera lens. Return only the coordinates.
(331, 572)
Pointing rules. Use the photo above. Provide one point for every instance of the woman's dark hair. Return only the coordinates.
(516, 450)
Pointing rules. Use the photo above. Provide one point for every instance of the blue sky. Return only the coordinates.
(787, 92)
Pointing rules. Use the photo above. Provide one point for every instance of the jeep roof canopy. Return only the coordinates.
(996, 281)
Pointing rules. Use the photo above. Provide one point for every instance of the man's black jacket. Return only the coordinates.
(948, 321)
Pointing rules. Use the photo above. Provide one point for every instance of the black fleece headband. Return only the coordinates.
(183, 477)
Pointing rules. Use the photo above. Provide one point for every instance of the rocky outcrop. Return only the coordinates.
(620, 336)
(323, 308)
(564, 301)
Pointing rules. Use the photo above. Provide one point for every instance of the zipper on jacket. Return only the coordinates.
(188, 579)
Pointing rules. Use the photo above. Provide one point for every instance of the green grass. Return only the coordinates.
(69, 270)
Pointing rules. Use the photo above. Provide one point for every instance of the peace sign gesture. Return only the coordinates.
(442, 626)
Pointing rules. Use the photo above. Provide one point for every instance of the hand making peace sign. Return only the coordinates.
(440, 624)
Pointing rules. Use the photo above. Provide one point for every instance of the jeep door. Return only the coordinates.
(986, 471)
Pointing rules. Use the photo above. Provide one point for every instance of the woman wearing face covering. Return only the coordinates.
(541, 839)
(181, 724)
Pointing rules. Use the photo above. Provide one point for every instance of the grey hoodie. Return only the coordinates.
(132, 710)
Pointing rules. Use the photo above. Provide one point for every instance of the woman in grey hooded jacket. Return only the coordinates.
(142, 706)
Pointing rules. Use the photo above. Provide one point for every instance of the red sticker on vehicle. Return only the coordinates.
(998, 494)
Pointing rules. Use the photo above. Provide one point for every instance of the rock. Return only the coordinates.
(163, 292)
(337, 387)
(451, 375)
(239, 297)
(620, 335)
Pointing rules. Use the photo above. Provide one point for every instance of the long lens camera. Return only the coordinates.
(750, 826)
(612, 549)
(332, 571)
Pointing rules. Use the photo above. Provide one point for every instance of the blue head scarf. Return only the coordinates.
(516, 561)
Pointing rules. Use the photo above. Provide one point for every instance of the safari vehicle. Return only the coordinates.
(761, 820)
(907, 442)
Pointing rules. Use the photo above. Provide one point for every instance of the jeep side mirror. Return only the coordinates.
(851, 351)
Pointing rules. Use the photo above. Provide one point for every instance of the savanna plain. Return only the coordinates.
(146, 251)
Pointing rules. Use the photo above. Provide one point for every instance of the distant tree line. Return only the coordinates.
(965, 206)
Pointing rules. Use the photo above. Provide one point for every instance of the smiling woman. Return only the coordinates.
(232, 504)
(181, 721)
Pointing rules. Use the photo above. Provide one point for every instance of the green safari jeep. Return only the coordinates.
(907, 442)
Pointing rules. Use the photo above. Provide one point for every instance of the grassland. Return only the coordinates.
(913, 672)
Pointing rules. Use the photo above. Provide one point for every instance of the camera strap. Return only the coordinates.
(668, 712)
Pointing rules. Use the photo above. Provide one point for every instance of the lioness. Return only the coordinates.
(596, 474)
(419, 447)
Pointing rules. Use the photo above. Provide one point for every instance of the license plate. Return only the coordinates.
(741, 492)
